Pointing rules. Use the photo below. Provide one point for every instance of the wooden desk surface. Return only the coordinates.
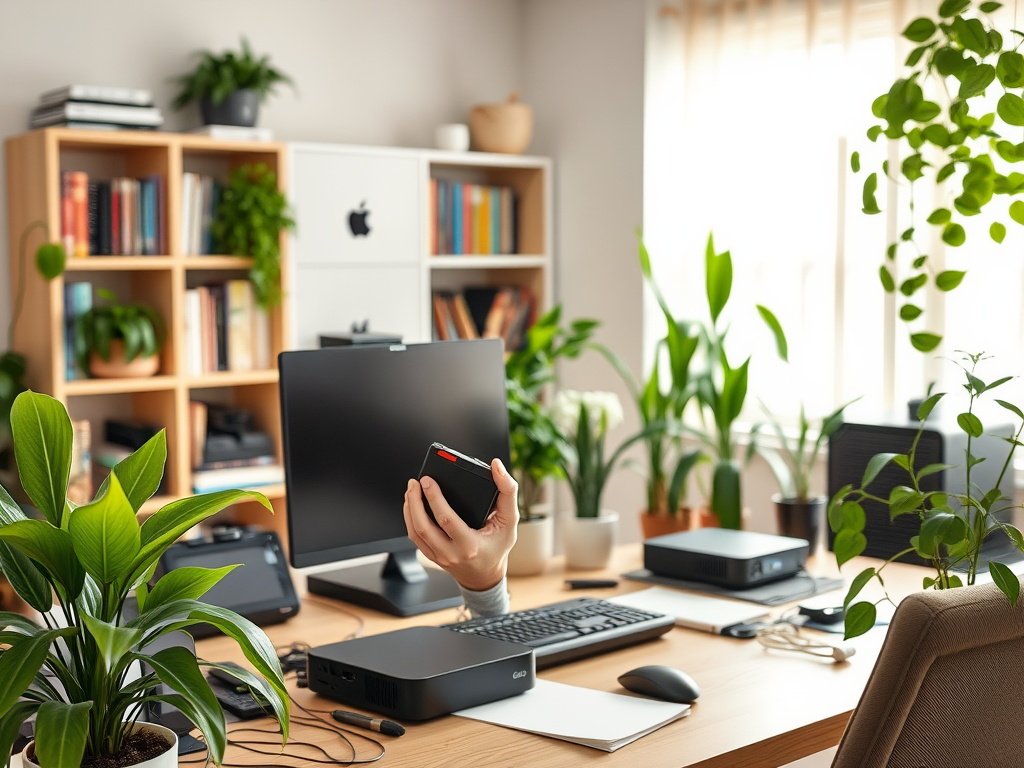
(758, 708)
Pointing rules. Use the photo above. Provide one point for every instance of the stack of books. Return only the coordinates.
(104, 108)
(488, 313)
(199, 198)
(471, 218)
(113, 217)
(77, 301)
(222, 459)
(225, 330)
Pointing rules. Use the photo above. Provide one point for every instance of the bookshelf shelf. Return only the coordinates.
(486, 262)
(35, 162)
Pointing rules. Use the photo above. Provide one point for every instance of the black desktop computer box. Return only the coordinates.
(942, 442)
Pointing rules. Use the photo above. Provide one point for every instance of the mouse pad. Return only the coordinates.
(775, 593)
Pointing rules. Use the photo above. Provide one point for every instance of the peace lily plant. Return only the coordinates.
(77, 567)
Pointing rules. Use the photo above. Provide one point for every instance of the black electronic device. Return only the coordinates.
(733, 559)
(420, 672)
(358, 338)
(466, 483)
(355, 421)
(260, 588)
(570, 629)
(235, 696)
(660, 682)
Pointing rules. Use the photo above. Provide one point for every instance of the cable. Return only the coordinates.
(784, 636)
(332, 606)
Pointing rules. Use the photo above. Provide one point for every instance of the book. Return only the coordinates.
(105, 94)
(197, 415)
(240, 307)
(89, 111)
(463, 319)
(457, 246)
(210, 480)
(86, 125)
(193, 333)
(235, 132)
(80, 213)
(67, 214)
(93, 225)
(262, 357)
(432, 219)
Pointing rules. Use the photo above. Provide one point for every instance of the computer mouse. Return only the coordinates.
(661, 682)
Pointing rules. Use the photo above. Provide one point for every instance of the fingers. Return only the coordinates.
(507, 512)
(425, 548)
(453, 525)
(424, 529)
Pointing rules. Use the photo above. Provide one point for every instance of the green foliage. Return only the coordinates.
(961, 55)
(248, 222)
(953, 527)
(217, 76)
(538, 446)
(137, 325)
(93, 556)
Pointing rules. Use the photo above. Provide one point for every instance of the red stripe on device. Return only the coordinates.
(446, 455)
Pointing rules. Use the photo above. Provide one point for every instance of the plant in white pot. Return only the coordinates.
(77, 567)
(538, 446)
(586, 417)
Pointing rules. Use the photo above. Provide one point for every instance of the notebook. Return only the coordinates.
(709, 614)
(595, 719)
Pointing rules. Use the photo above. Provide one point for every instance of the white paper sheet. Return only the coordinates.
(595, 719)
(709, 614)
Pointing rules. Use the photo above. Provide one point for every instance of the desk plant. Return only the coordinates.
(110, 337)
(248, 221)
(81, 564)
(230, 86)
(953, 526)
(955, 142)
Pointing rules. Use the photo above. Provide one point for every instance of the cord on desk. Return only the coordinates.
(783, 636)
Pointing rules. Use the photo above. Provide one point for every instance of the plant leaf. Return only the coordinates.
(949, 279)
(10, 725)
(847, 545)
(106, 534)
(925, 342)
(855, 162)
(954, 234)
(22, 660)
(925, 409)
(61, 731)
(51, 548)
(997, 231)
(1016, 211)
(1012, 408)
(875, 465)
(141, 472)
(781, 346)
(42, 447)
(718, 278)
(886, 277)
(970, 424)
(113, 641)
(185, 583)
(1005, 580)
(26, 579)
(868, 195)
(860, 617)
(858, 583)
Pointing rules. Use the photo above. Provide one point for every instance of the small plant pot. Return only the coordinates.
(661, 525)
(705, 518)
(241, 107)
(588, 541)
(800, 519)
(534, 547)
(119, 368)
(167, 759)
(505, 128)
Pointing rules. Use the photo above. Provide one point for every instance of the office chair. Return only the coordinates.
(947, 690)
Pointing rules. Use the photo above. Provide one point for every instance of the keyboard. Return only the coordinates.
(571, 629)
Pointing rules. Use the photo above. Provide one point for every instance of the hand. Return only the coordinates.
(476, 558)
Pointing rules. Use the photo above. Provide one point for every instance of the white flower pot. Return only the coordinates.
(168, 759)
(534, 547)
(588, 541)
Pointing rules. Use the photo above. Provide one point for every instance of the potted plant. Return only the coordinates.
(538, 446)
(230, 86)
(81, 563)
(586, 417)
(119, 340)
(248, 221)
(953, 526)
(797, 512)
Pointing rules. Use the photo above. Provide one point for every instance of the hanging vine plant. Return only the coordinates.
(959, 56)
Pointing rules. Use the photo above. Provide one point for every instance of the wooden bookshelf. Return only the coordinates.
(34, 164)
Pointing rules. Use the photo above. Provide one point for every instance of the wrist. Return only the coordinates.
(483, 582)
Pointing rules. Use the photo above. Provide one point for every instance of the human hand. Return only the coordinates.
(476, 558)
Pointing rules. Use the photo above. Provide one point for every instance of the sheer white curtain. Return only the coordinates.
(753, 108)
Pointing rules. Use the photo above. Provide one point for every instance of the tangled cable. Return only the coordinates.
(784, 636)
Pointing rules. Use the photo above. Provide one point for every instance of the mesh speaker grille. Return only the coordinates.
(381, 693)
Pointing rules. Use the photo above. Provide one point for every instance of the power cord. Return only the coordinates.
(785, 636)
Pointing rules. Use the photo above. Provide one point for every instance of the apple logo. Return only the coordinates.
(357, 221)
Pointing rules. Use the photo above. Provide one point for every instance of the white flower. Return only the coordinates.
(565, 410)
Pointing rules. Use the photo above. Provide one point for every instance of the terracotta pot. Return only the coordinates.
(534, 547)
(705, 518)
(800, 519)
(588, 541)
(118, 368)
(660, 525)
(168, 759)
(505, 128)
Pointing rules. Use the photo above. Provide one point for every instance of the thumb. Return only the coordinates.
(508, 493)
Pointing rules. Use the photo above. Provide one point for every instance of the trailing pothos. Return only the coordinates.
(947, 134)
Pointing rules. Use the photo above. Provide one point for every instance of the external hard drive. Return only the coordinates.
(466, 483)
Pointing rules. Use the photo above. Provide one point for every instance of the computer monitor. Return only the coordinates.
(357, 423)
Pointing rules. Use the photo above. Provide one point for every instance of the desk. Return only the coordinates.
(757, 709)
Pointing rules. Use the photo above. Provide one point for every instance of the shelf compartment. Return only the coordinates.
(473, 261)
(119, 263)
(217, 262)
(232, 379)
(118, 386)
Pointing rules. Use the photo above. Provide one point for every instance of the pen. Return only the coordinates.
(387, 727)
(591, 583)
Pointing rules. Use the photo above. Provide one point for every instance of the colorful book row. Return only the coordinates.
(77, 301)
(225, 330)
(113, 217)
(489, 313)
(472, 219)
(199, 198)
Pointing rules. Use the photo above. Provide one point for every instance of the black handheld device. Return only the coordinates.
(466, 483)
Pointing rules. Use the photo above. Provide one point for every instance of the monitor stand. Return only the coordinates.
(403, 587)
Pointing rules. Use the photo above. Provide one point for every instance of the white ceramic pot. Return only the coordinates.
(453, 137)
(588, 541)
(535, 544)
(168, 759)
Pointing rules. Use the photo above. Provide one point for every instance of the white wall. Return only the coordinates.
(368, 71)
(584, 75)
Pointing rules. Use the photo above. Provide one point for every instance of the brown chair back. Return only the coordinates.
(947, 690)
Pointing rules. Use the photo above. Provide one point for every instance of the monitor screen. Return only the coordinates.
(357, 423)
(260, 581)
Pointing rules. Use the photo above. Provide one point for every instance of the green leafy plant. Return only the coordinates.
(937, 111)
(794, 460)
(81, 563)
(137, 325)
(538, 446)
(218, 75)
(248, 222)
(953, 526)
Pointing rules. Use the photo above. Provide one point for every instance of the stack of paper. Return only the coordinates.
(710, 614)
(595, 719)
